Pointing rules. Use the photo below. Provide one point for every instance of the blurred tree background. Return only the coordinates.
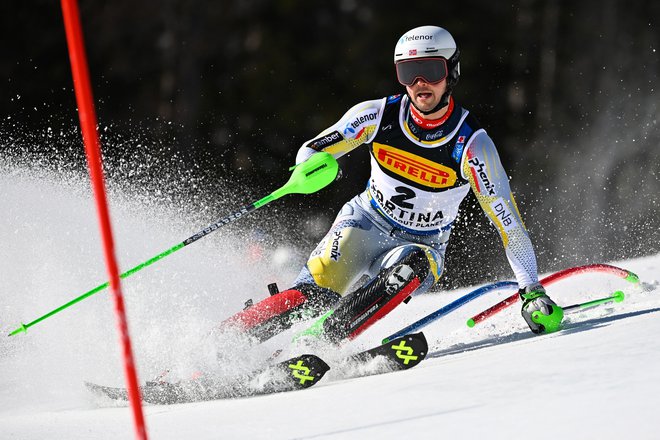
(568, 90)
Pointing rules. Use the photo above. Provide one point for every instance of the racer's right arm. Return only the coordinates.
(358, 126)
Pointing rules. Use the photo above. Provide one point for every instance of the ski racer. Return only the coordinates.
(427, 153)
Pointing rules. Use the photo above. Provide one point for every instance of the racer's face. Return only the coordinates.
(426, 96)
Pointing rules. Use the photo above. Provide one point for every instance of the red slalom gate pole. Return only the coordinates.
(87, 115)
(603, 268)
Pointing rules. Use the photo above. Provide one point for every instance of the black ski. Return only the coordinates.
(398, 354)
(292, 374)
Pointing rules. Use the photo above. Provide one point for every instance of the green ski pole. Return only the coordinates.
(308, 177)
(617, 296)
(552, 322)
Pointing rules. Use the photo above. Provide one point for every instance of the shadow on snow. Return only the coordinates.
(569, 328)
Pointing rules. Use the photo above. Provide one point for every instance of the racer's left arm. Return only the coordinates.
(481, 166)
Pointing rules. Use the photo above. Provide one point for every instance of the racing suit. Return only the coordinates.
(394, 234)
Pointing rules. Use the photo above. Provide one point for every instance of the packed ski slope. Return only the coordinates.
(598, 378)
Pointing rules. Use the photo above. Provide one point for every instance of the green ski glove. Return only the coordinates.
(540, 312)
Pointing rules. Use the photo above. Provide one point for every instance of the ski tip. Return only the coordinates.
(409, 350)
(470, 323)
(306, 370)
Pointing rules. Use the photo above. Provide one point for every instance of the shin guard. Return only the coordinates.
(363, 307)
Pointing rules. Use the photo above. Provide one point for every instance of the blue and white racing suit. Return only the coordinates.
(419, 177)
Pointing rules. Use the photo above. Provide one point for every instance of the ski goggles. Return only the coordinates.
(431, 70)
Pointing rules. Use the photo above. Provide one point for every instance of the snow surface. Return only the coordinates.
(599, 378)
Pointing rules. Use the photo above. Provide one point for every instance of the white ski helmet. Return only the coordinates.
(431, 42)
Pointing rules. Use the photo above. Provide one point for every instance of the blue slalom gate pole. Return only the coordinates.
(451, 307)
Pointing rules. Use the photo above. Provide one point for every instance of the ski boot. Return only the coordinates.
(281, 310)
(539, 311)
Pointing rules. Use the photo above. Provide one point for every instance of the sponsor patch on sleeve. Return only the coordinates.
(356, 126)
(479, 171)
(504, 214)
(325, 141)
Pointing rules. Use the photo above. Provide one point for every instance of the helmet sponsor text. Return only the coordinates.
(407, 38)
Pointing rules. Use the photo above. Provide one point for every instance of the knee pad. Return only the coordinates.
(426, 261)
(393, 284)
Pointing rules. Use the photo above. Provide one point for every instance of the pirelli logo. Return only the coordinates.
(413, 167)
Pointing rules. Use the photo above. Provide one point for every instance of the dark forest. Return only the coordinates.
(227, 91)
